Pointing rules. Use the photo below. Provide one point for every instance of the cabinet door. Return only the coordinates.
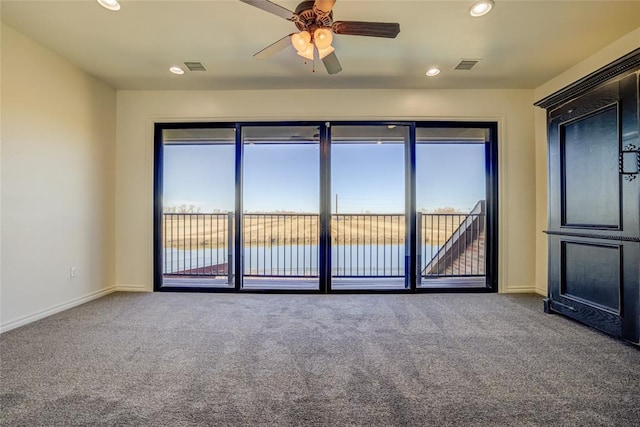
(594, 280)
(594, 208)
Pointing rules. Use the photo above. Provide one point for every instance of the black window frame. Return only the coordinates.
(492, 207)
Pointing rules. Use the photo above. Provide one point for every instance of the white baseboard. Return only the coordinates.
(542, 292)
(131, 288)
(521, 290)
(55, 309)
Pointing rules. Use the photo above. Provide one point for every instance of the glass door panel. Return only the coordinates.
(281, 204)
(368, 223)
(198, 203)
(451, 183)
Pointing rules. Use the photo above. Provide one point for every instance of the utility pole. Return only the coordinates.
(336, 203)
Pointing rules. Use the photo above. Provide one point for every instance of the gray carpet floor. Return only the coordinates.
(168, 359)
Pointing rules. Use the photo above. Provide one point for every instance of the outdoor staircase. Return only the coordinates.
(463, 254)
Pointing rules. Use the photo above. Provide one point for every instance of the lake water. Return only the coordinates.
(300, 260)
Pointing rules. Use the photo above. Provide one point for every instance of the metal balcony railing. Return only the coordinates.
(286, 245)
(281, 245)
(369, 245)
(198, 244)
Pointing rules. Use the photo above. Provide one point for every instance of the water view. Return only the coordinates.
(291, 261)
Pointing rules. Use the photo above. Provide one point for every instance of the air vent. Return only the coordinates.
(195, 66)
(466, 64)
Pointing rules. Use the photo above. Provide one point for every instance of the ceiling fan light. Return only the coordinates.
(322, 38)
(307, 53)
(481, 8)
(301, 40)
(109, 4)
(324, 52)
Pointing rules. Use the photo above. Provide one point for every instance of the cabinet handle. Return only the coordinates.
(626, 160)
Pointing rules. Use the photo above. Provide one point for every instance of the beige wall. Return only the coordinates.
(601, 58)
(57, 175)
(138, 110)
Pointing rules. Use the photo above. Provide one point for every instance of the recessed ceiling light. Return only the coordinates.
(481, 8)
(110, 4)
(176, 70)
(433, 71)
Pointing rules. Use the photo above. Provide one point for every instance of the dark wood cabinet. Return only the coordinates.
(594, 199)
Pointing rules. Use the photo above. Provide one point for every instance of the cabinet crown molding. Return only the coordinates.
(627, 63)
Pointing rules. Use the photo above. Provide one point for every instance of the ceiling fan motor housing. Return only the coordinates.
(308, 20)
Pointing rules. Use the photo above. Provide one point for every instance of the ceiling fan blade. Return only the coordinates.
(331, 63)
(324, 6)
(274, 48)
(270, 7)
(371, 29)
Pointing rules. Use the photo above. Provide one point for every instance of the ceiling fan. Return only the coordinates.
(314, 20)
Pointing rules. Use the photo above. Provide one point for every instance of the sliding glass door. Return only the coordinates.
(197, 212)
(280, 204)
(321, 206)
(451, 201)
(368, 222)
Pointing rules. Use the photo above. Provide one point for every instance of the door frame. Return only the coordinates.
(491, 170)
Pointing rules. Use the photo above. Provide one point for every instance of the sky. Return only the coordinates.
(286, 177)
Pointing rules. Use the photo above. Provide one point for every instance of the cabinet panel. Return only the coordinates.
(590, 139)
(591, 273)
(589, 152)
(584, 287)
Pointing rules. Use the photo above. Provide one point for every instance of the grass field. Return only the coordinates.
(185, 231)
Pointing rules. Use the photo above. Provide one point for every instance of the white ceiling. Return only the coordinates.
(521, 43)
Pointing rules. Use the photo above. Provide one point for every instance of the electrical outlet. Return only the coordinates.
(73, 272)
